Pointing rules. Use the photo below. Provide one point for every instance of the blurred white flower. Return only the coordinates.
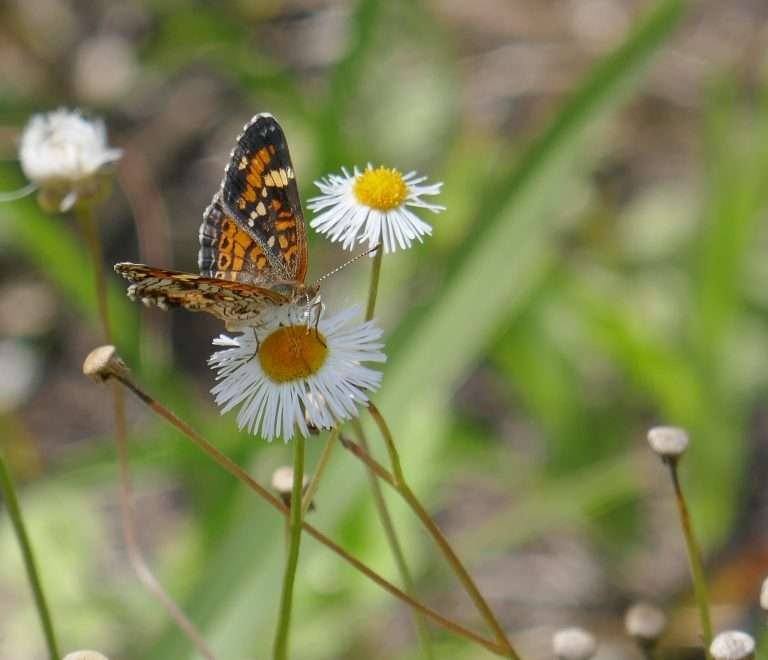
(288, 376)
(85, 655)
(732, 645)
(668, 441)
(104, 68)
(574, 644)
(373, 206)
(764, 594)
(645, 622)
(64, 155)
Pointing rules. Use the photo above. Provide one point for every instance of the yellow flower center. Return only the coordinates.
(292, 352)
(382, 189)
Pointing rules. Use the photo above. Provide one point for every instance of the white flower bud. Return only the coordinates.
(85, 655)
(282, 482)
(645, 622)
(733, 645)
(573, 644)
(668, 441)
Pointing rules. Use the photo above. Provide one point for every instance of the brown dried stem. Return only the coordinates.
(234, 469)
(139, 563)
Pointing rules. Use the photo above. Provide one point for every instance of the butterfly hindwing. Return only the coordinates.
(259, 191)
(227, 300)
(229, 252)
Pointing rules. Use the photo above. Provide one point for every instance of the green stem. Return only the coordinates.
(14, 512)
(373, 290)
(286, 599)
(87, 219)
(694, 557)
(322, 463)
(445, 547)
(395, 546)
(648, 650)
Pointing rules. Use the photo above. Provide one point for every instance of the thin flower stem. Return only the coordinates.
(648, 651)
(286, 599)
(466, 580)
(17, 521)
(394, 544)
(20, 193)
(377, 468)
(694, 557)
(234, 469)
(88, 225)
(322, 463)
(86, 217)
(374, 286)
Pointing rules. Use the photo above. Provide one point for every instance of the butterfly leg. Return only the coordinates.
(316, 309)
(258, 345)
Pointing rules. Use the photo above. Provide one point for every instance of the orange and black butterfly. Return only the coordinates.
(253, 241)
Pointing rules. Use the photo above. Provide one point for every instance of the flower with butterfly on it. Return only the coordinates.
(290, 374)
(373, 206)
(66, 157)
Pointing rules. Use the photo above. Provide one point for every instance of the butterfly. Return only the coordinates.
(253, 240)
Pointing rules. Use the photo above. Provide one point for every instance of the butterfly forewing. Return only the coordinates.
(259, 190)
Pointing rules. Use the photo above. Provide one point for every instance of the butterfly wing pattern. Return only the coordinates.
(227, 251)
(253, 243)
(259, 188)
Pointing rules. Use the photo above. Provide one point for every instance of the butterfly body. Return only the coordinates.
(253, 243)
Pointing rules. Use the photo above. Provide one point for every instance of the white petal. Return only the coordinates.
(344, 219)
(326, 397)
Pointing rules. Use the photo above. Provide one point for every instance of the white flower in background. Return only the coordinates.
(733, 645)
(64, 154)
(373, 206)
(286, 376)
(574, 644)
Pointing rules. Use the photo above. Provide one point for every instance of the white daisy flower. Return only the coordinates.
(373, 206)
(63, 154)
(287, 377)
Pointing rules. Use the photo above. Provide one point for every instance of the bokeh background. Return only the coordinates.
(600, 269)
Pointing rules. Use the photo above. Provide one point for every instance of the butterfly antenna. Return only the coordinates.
(347, 263)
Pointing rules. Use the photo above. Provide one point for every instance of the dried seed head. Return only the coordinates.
(573, 644)
(645, 622)
(668, 441)
(733, 645)
(85, 655)
(104, 362)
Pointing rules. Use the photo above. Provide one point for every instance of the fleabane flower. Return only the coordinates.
(373, 206)
(287, 375)
(65, 155)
